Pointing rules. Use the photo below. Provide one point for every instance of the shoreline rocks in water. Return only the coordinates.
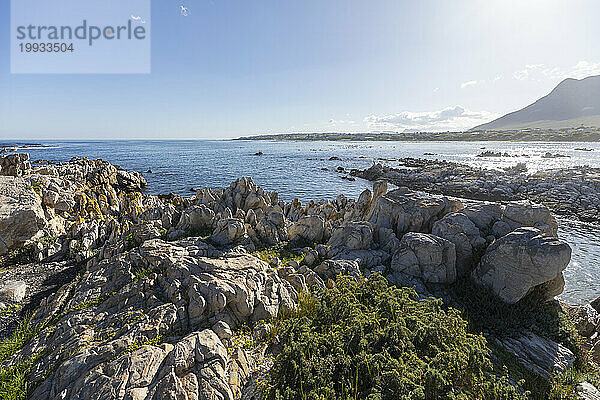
(573, 192)
(165, 283)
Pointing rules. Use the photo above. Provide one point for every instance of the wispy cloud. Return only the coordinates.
(468, 83)
(539, 72)
(455, 118)
(341, 122)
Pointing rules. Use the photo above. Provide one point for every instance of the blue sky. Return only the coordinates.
(244, 67)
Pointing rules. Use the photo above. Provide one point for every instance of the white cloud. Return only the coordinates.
(341, 122)
(455, 118)
(435, 90)
(539, 72)
(468, 83)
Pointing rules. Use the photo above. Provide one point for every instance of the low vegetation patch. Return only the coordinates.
(485, 312)
(13, 379)
(284, 253)
(369, 340)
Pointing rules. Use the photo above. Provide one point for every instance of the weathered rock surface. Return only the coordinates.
(426, 256)
(166, 281)
(540, 355)
(518, 262)
(15, 164)
(573, 192)
(147, 315)
(13, 291)
(466, 237)
(406, 211)
(309, 229)
(587, 391)
(21, 214)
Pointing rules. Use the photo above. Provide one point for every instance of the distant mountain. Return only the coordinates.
(573, 103)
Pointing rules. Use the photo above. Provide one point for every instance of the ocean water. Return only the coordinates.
(304, 170)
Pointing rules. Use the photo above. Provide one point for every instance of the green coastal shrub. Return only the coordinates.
(369, 340)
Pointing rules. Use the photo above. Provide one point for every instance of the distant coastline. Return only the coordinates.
(563, 135)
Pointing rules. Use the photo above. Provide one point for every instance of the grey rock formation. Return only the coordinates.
(13, 291)
(332, 268)
(518, 262)
(539, 355)
(15, 164)
(229, 231)
(587, 391)
(426, 256)
(467, 239)
(406, 211)
(308, 230)
(21, 214)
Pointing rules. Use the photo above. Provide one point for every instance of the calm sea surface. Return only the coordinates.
(295, 169)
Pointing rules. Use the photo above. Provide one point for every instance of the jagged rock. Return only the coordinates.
(585, 318)
(13, 291)
(518, 262)
(484, 215)
(229, 231)
(50, 198)
(354, 241)
(222, 329)
(271, 228)
(596, 304)
(146, 231)
(426, 256)
(21, 214)
(130, 180)
(523, 214)
(539, 355)
(15, 164)
(352, 236)
(467, 239)
(117, 306)
(379, 189)
(309, 229)
(311, 278)
(332, 268)
(196, 218)
(406, 211)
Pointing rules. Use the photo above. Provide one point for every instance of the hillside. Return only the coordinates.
(573, 103)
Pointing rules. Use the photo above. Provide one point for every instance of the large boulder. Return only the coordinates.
(525, 213)
(354, 241)
(21, 214)
(271, 227)
(405, 211)
(309, 230)
(426, 256)
(521, 261)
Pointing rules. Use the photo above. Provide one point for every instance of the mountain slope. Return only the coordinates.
(574, 102)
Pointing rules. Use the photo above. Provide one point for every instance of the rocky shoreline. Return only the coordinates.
(127, 295)
(573, 192)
